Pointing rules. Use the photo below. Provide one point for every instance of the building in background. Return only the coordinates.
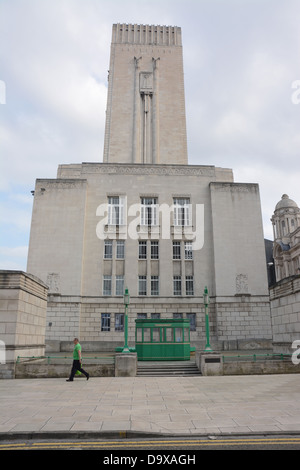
(146, 220)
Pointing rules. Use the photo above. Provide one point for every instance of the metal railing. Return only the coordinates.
(256, 357)
(88, 359)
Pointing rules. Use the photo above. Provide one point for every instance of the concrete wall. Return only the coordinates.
(23, 305)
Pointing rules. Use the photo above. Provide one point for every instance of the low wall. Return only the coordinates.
(261, 367)
(41, 369)
(23, 306)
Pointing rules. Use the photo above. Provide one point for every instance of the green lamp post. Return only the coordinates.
(126, 303)
(206, 302)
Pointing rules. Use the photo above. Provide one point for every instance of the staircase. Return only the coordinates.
(167, 369)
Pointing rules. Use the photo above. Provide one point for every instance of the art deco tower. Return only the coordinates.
(145, 117)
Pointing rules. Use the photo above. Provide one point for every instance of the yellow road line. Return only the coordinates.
(143, 444)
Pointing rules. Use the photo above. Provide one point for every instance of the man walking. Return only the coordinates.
(77, 362)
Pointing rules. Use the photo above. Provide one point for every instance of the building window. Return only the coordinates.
(177, 285)
(142, 250)
(149, 211)
(155, 316)
(182, 211)
(142, 316)
(189, 285)
(120, 254)
(105, 321)
(108, 249)
(116, 210)
(154, 285)
(177, 315)
(176, 250)
(119, 322)
(188, 250)
(106, 285)
(142, 285)
(154, 250)
(192, 318)
(119, 285)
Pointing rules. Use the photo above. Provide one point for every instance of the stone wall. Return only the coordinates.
(285, 313)
(23, 305)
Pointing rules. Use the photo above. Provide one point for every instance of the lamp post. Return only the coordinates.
(206, 302)
(126, 303)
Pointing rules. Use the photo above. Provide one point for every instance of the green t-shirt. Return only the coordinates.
(75, 352)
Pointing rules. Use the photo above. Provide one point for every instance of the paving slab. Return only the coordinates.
(161, 405)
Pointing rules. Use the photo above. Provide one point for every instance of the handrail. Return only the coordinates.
(112, 358)
(279, 356)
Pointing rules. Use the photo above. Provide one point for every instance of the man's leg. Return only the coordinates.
(75, 367)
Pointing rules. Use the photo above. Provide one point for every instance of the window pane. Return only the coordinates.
(178, 335)
(156, 335)
(154, 285)
(169, 334)
(120, 249)
(139, 332)
(108, 244)
(192, 318)
(154, 250)
(142, 285)
(119, 285)
(189, 285)
(148, 211)
(106, 285)
(177, 285)
(147, 337)
(181, 211)
(116, 210)
(105, 321)
(188, 250)
(119, 322)
(176, 250)
(143, 250)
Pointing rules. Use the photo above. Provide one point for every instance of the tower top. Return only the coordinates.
(146, 34)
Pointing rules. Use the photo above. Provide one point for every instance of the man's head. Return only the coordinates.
(76, 341)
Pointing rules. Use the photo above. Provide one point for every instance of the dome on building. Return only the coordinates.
(286, 203)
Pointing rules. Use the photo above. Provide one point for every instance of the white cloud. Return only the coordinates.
(240, 60)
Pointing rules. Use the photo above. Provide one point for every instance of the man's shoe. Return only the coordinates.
(68, 380)
(87, 377)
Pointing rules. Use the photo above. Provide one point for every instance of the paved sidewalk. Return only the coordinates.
(163, 405)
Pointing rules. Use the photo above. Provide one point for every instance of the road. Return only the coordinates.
(182, 446)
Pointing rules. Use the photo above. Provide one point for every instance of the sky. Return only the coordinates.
(242, 91)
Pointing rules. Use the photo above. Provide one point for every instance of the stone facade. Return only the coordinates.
(285, 311)
(23, 306)
(146, 220)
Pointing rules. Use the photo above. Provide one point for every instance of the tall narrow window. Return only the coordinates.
(142, 285)
(154, 250)
(154, 285)
(119, 285)
(116, 210)
(142, 250)
(105, 321)
(119, 322)
(177, 285)
(192, 318)
(182, 211)
(176, 250)
(120, 254)
(189, 285)
(108, 249)
(106, 285)
(188, 250)
(149, 211)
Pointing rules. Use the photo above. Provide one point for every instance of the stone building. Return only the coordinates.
(146, 220)
(285, 293)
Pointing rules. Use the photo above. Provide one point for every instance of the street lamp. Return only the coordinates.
(126, 303)
(206, 302)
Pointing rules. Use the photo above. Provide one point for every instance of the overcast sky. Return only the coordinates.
(241, 62)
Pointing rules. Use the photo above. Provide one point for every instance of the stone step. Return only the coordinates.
(167, 370)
